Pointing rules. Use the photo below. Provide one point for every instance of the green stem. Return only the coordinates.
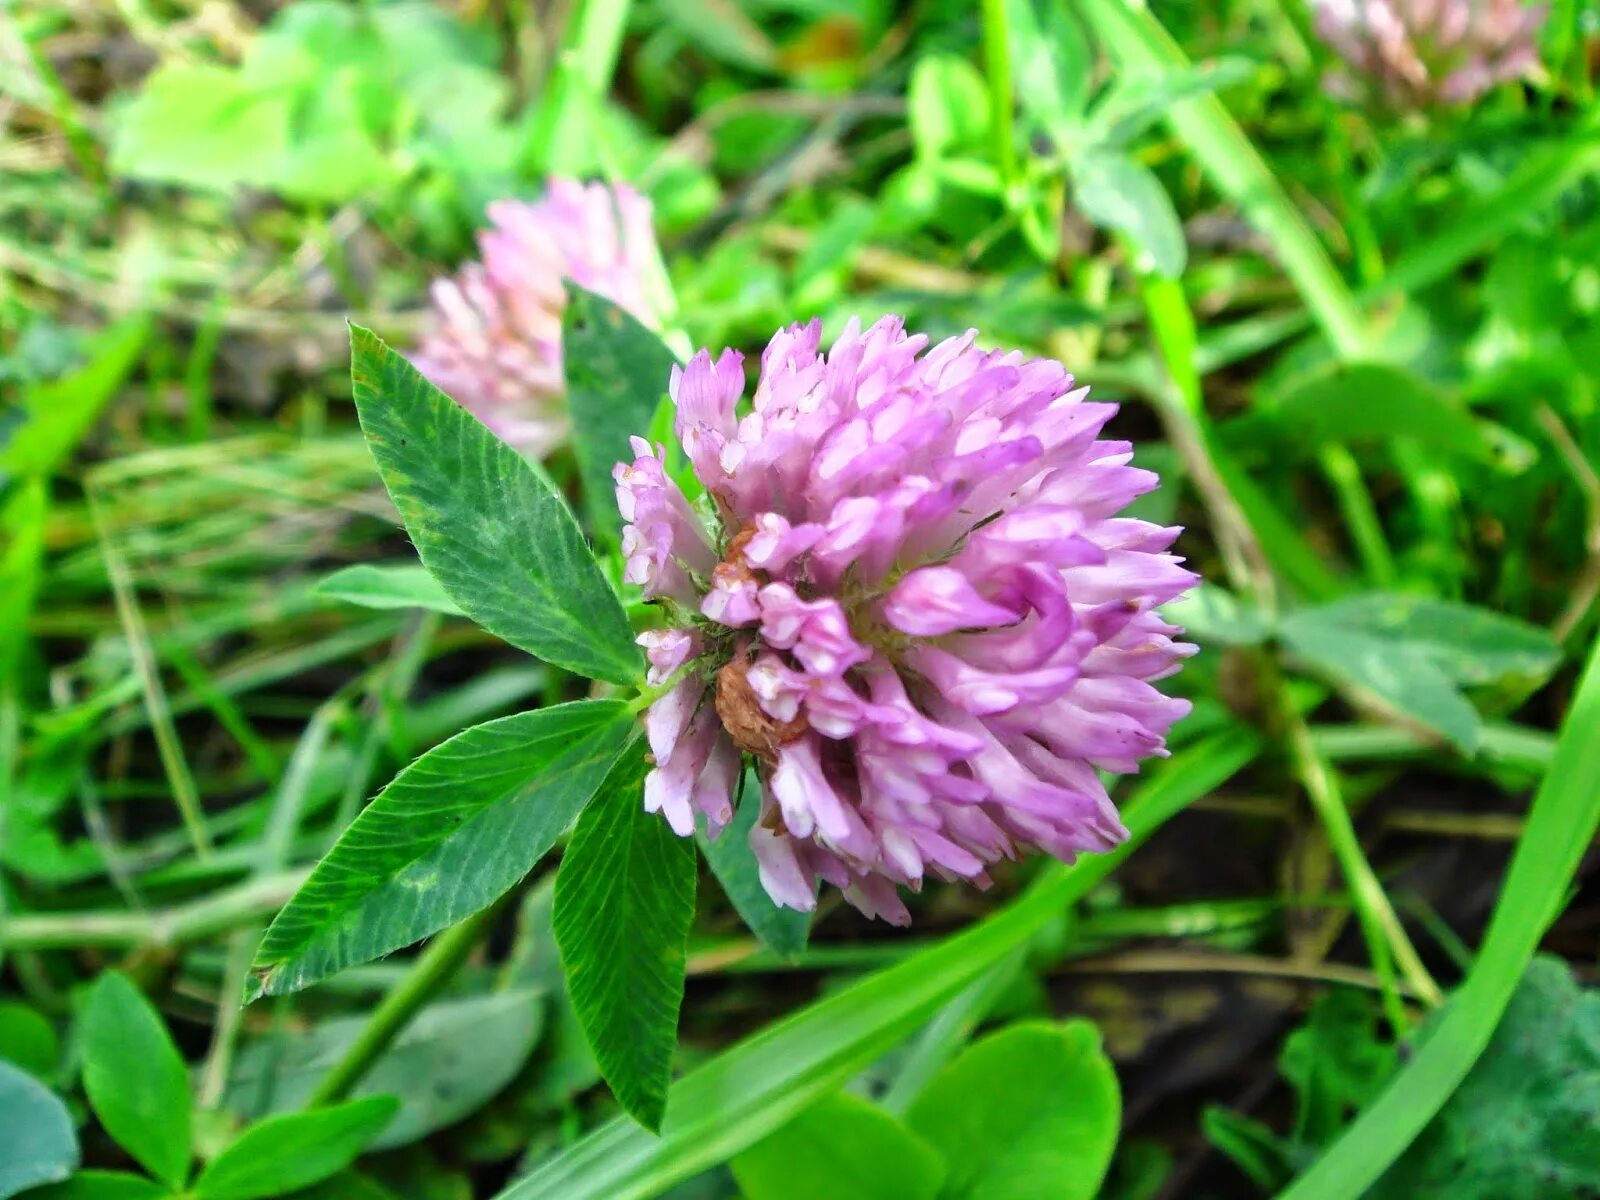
(230, 1019)
(432, 969)
(1189, 430)
(1139, 43)
(1498, 745)
(1386, 937)
(1359, 513)
(168, 747)
(1173, 325)
(218, 913)
(997, 62)
(594, 38)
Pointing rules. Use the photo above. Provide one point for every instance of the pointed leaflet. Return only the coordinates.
(285, 1153)
(496, 536)
(624, 901)
(135, 1078)
(1119, 193)
(738, 1097)
(453, 831)
(617, 372)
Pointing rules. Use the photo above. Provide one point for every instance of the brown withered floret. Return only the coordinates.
(747, 723)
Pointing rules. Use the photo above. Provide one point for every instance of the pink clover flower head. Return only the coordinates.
(1413, 54)
(494, 338)
(909, 597)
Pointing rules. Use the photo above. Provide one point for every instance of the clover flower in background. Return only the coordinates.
(494, 342)
(908, 594)
(1415, 53)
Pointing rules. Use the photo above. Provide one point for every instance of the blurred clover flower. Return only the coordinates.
(908, 595)
(494, 344)
(1415, 53)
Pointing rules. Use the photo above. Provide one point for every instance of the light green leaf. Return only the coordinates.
(624, 903)
(1133, 103)
(1394, 675)
(948, 104)
(970, 175)
(1051, 61)
(1211, 613)
(844, 1148)
(1414, 653)
(1028, 1113)
(735, 1099)
(103, 1185)
(455, 830)
(22, 521)
(28, 1040)
(445, 1064)
(387, 585)
(1370, 402)
(617, 374)
(782, 930)
(332, 155)
(37, 1144)
(203, 126)
(135, 1077)
(285, 1153)
(497, 538)
(1469, 644)
(1124, 196)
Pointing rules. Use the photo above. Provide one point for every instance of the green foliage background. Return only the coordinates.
(1358, 344)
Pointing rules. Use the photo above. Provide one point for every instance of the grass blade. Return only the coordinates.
(1561, 824)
